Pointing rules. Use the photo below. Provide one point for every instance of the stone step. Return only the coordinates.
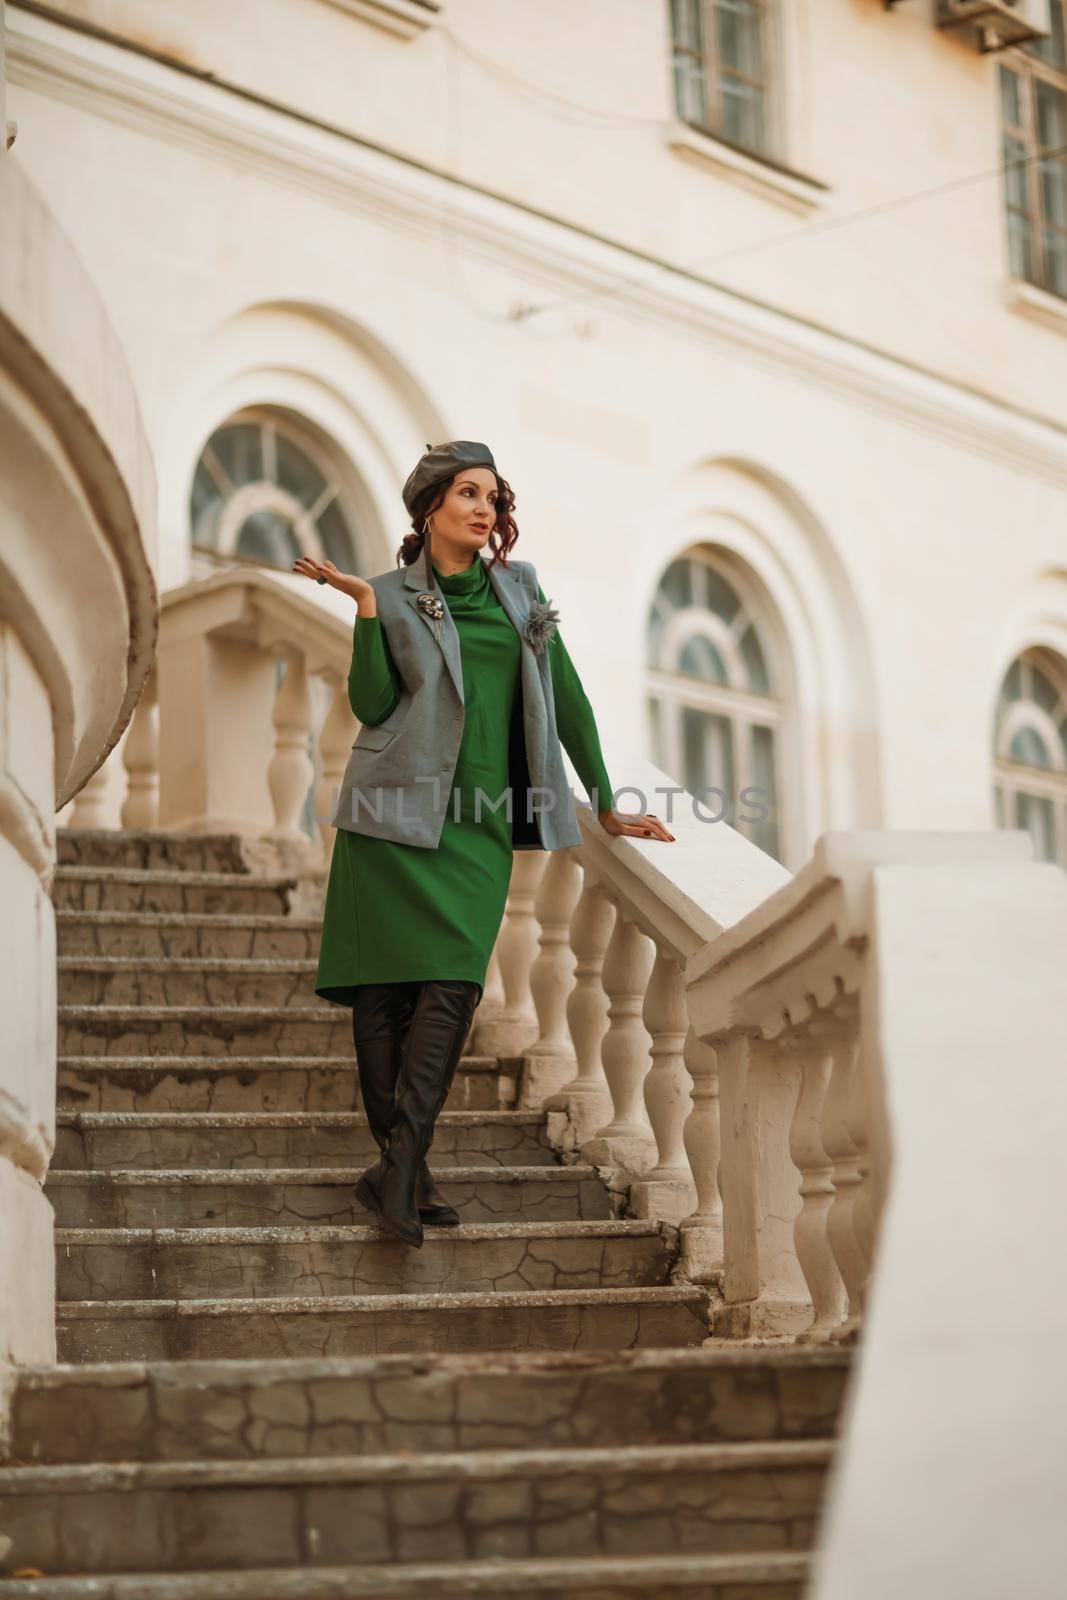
(149, 849)
(303, 1512)
(146, 934)
(257, 1083)
(133, 889)
(315, 1029)
(98, 1140)
(223, 1263)
(260, 1197)
(521, 1400)
(550, 1319)
(200, 981)
(702, 1577)
(318, 1029)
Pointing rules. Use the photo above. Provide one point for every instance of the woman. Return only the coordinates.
(457, 672)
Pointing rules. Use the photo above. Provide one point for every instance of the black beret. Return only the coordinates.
(443, 461)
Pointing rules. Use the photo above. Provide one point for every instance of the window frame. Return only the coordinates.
(1028, 68)
(669, 694)
(710, 74)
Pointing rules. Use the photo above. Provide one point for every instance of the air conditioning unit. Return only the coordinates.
(997, 23)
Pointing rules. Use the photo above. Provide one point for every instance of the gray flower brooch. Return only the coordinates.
(540, 625)
(434, 607)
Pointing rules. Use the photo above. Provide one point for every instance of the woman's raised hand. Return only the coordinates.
(649, 827)
(347, 582)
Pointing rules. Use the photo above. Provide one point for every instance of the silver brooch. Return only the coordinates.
(540, 625)
(434, 608)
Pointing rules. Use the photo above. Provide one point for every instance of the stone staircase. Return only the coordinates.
(262, 1397)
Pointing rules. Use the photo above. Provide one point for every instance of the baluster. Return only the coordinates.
(335, 743)
(814, 1252)
(514, 1026)
(626, 1141)
(667, 1192)
(763, 1284)
(550, 1060)
(844, 1155)
(701, 1230)
(90, 803)
(290, 772)
(140, 757)
(861, 1212)
(586, 1099)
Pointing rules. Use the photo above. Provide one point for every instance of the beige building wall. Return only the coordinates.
(867, 423)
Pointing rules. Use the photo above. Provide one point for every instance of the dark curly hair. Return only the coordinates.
(502, 535)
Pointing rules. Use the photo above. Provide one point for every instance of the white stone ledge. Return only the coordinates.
(406, 18)
(766, 178)
(1038, 304)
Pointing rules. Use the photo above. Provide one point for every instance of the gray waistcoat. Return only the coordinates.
(397, 781)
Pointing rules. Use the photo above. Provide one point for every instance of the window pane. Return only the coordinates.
(336, 536)
(1034, 814)
(688, 61)
(700, 659)
(1052, 49)
(268, 538)
(998, 806)
(742, 113)
(737, 30)
(655, 730)
(711, 590)
(1013, 681)
(677, 585)
(240, 453)
(765, 831)
(205, 507)
(1043, 690)
(707, 762)
(297, 474)
(1028, 747)
(755, 665)
(1010, 108)
(654, 637)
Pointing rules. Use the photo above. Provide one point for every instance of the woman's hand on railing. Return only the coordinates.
(325, 572)
(647, 827)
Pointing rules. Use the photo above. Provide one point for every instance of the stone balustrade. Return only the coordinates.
(698, 1023)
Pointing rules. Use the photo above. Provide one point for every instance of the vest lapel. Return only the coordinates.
(508, 588)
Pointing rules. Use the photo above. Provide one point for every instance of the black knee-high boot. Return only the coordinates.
(436, 1035)
(381, 1016)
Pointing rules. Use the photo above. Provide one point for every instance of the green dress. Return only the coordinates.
(398, 912)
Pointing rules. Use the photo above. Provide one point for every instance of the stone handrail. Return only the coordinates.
(697, 1022)
(241, 762)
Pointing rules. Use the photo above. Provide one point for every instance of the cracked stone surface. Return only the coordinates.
(185, 981)
(134, 889)
(149, 848)
(268, 1398)
(274, 1197)
(151, 934)
(252, 1083)
(597, 1578)
(395, 1508)
(678, 1577)
(560, 1319)
(97, 1141)
(291, 1262)
(320, 1029)
(530, 1400)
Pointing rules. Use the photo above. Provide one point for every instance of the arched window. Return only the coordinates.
(265, 492)
(1030, 753)
(713, 711)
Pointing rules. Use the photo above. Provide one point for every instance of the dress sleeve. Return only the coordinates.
(373, 681)
(575, 722)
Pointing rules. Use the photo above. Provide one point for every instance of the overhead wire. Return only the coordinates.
(557, 105)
